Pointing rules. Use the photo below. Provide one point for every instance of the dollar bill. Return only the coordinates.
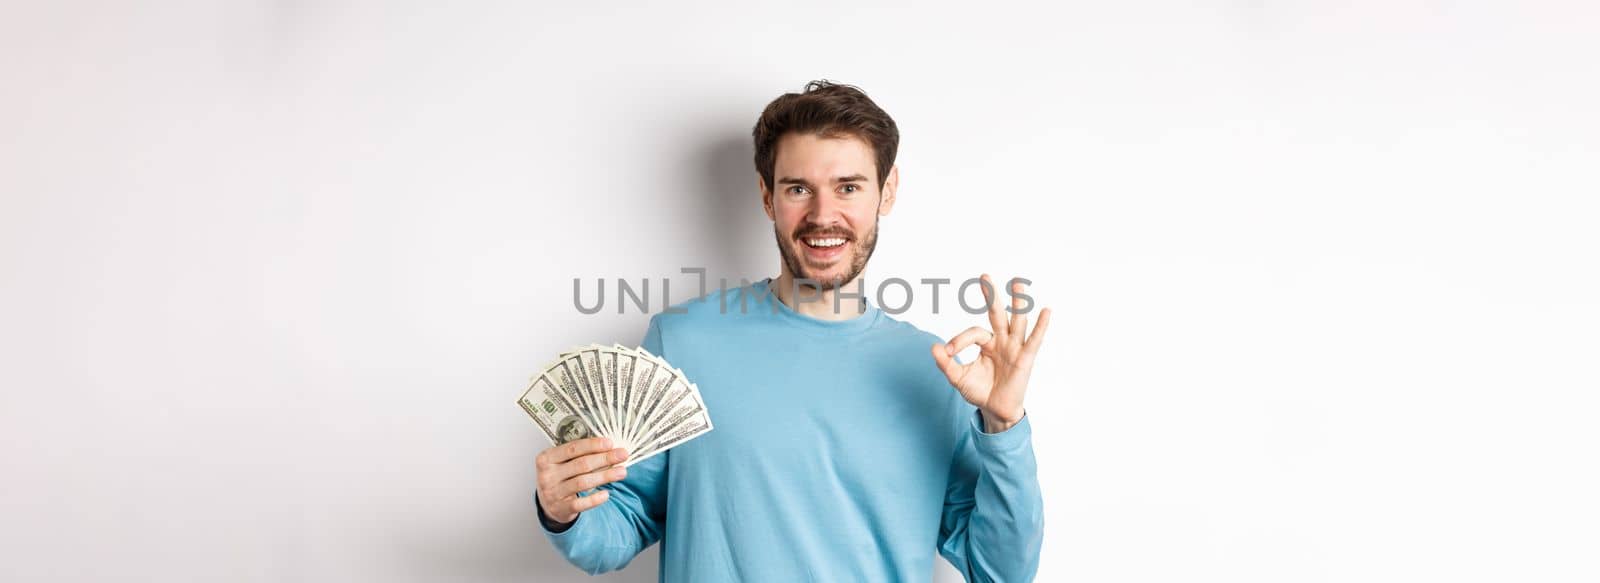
(638, 399)
(655, 401)
(577, 394)
(644, 371)
(552, 414)
(606, 362)
(678, 409)
(694, 429)
(577, 366)
(590, 359)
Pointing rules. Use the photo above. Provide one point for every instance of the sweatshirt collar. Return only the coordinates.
(849, 326)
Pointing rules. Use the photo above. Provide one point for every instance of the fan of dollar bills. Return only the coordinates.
(627, 394)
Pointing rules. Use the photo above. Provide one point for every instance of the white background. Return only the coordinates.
(274, 272)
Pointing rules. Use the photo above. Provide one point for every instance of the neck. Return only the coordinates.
(808, 301)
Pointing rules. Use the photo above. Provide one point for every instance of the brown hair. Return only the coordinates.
(829, 110)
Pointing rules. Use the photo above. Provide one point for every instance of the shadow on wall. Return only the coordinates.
(735, 235)
(731, 237)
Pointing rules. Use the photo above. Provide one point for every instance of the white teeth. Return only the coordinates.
(835, 242)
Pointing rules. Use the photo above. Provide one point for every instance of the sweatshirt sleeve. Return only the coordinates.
(608, 537)
(993, 522)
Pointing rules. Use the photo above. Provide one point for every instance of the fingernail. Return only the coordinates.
(619, 473)
(605, 442)
(618, 455)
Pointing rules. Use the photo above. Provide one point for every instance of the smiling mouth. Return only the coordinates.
(823, 243)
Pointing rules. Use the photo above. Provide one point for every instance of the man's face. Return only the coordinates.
(574, 432)
(824, 205)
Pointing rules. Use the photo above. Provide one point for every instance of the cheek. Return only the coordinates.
(863, 218)
(787, 218)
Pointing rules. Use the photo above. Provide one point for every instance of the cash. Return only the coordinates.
(637, 399)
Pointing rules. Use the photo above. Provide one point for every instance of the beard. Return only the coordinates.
(860, 251)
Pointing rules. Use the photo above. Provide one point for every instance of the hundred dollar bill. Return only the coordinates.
(589, 357)
(606, 362)
(577, 395)
(634, 397)
(626, 359)
(655, 403)
(687, 432)
(550, 412)
(677, 407)
(644, 371)
(577, 367)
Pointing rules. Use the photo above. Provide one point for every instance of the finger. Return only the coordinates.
(565, 452)
(996, 321)
(582, 503)
(1019, 320)
(589, 481)
(953, 371)
(584, 465)
(1036, 338)
(568, 509)
(969, 337)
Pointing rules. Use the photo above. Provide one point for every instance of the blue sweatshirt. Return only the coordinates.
(840, 453)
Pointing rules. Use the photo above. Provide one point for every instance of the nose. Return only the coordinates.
(824, 210)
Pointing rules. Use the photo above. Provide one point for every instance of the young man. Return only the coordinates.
(841, 451)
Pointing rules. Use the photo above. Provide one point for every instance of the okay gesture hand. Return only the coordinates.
(997, 379)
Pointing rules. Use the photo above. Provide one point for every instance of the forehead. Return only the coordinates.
(814, 155)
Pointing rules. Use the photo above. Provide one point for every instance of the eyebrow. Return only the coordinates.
(804, 182)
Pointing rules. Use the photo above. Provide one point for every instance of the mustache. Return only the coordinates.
(807, 232)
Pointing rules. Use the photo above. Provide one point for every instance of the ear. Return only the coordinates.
(891, 184)
(766, 197)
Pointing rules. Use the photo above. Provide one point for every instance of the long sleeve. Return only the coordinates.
(608, 537)
(993, 523)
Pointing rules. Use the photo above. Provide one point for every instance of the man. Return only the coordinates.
(841, 452)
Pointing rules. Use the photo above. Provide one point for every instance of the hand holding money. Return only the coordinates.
(567, 469)
(604, 409)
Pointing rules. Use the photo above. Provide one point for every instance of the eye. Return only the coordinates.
(797, 189)
(849, 188)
